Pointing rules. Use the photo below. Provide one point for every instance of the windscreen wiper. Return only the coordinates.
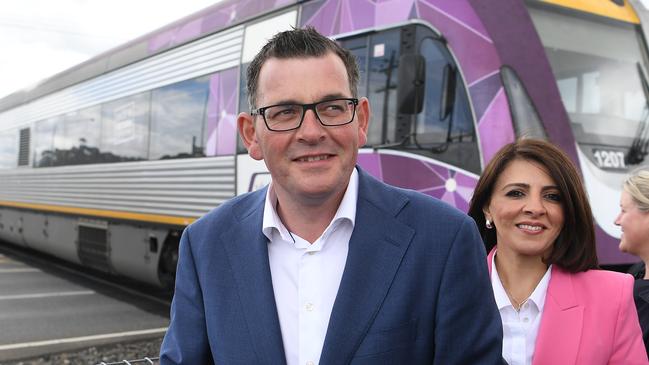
(640, 145)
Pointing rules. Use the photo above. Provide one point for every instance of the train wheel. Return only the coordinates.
(169, 260)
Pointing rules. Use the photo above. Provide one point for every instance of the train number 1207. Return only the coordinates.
(609, 159)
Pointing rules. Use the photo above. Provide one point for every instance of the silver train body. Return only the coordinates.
(131, 211)
(123, 218)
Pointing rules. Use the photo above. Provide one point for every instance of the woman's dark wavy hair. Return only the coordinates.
(574, 249)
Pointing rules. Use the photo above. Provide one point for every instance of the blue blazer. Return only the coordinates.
(415, 288)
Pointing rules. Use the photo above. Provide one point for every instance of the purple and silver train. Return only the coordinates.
(104, 164)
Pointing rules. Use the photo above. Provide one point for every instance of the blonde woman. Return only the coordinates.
(634, 221)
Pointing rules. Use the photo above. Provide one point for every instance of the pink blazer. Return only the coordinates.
(589, 318)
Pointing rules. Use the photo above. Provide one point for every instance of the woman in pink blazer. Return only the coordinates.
(555, 305)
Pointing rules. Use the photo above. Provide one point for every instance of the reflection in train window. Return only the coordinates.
(8, 149)
(46, 132)
(125, 129)
(178, 119)
(79, 141)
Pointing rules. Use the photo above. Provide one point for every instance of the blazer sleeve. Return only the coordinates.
(628, 348)
(468, 328)
(186, 339)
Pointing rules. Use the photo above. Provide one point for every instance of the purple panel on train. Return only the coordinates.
(424, 175)
(222, 113)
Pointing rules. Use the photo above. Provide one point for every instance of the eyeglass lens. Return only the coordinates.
(333, 112)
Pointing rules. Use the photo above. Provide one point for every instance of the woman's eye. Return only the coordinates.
(554, 197)
(514, 193)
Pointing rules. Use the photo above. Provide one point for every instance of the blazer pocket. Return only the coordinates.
(383, 340)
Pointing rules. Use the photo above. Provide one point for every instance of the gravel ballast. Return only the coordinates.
(95, 355)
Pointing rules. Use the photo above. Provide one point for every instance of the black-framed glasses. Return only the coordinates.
(286, 117)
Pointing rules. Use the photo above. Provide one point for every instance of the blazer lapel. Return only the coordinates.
(376, 249)
(561, 324)
(490, 257)
(247, 250)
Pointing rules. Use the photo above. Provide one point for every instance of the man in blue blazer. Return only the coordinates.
(326, 265)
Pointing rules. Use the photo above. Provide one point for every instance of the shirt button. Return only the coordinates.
(311, 253)
(309, 307)
(526, 319)
(310, 363)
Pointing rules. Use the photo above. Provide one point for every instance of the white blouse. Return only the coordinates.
(520, 328)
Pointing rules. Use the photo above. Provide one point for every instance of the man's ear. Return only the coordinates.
(363, 116)
(247, 131)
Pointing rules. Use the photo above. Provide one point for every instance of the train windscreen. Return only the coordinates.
(599, 67)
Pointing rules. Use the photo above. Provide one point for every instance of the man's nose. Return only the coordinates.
(311, 128)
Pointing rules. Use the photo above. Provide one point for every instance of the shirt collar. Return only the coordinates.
(537, 296)
(346, 210)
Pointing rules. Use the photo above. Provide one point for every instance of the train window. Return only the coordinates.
(125, 129)
(79, 142)
(8, 149)
(377, 56)
(358, 47)
(46, 134)
(447, 135)
(178, 118)
(382, 84)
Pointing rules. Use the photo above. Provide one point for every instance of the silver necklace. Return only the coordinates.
(515, 303)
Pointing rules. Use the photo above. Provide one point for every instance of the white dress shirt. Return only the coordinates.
(306, 276)
(520, 328)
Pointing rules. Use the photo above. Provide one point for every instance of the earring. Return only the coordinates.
(488, 224)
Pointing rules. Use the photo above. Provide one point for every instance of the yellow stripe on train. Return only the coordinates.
(605, 8)
(154, 218)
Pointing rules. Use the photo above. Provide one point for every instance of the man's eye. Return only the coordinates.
(334, 107)
(283, 112)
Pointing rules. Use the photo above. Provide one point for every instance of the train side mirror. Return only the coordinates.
(412, 80)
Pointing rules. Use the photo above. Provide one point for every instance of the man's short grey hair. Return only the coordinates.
(299, 43)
